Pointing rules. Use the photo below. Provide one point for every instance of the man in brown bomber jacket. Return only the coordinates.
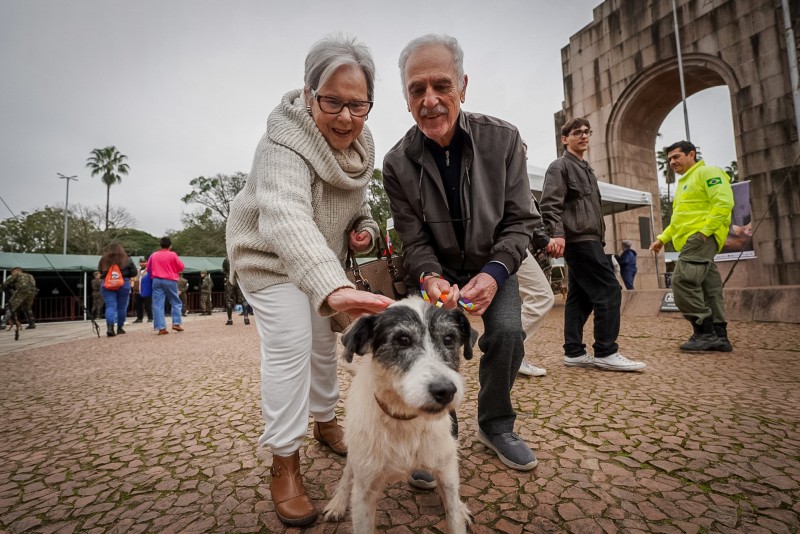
(573, 215)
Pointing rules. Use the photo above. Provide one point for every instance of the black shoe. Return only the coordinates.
(704, 338)
(511, 450)
(30, 327)
(229, 322)
(246, 320)
(110, 332)
(422, 479)
(721, 329)
(137, 321)
(120, 330)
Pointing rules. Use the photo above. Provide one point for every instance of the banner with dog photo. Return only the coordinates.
(739, 242)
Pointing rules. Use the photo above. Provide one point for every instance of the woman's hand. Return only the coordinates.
(355, 302)
(360, 241)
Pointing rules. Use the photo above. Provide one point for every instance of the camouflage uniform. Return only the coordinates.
(206, 285)
(183, 288)
(233, 294)
(97, 297)
(23, 291)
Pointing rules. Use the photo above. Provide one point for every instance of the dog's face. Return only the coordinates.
(416, 349)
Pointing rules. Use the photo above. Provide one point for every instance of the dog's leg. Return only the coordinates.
(363, 504)
(337, 508)
(458, 515)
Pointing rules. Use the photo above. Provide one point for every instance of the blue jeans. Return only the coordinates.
(162, 290)
(116, 303)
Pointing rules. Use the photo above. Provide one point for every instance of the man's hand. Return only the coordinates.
(439, 287)
(360, 241)
(556, 247)
(355, 302)
(656, 246)
(480, 291)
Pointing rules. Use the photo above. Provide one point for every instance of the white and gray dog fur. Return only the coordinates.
(398, 408)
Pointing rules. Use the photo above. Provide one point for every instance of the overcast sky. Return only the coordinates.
(184, 87)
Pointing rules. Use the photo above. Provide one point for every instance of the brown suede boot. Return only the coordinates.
(330, 433)
(292, 504)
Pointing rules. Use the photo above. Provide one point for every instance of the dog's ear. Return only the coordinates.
(358, 337)
(468, 335)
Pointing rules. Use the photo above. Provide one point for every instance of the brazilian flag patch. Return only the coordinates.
(711, 182)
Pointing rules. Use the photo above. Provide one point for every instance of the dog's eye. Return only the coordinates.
(403, 340)
(449, 341)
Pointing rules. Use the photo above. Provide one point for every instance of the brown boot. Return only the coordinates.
(330, 433)
(292, 504)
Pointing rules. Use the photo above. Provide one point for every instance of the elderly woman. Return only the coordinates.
(304, 204)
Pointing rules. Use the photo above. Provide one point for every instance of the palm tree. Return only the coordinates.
(110, 164)
(733, 171)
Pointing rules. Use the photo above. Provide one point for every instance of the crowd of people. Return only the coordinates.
(473, 235)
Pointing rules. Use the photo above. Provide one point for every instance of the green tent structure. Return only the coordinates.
(64, 285)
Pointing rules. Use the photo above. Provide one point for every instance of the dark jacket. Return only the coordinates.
(129, 270)
(495, 200)
(571, 206)
(539, 238)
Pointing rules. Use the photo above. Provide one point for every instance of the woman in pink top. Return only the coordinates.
(164, 267)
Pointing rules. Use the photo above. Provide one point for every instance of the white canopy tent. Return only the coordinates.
(615, 198)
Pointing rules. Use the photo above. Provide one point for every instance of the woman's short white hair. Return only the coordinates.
(427, 40)
(334, 51)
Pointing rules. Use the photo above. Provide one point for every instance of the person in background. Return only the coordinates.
(164, 267)
(23, 290)
(458, 190)
(534, 287)
(183, 290)
(573, 217)
(206, 285)
(627, 263)
(97, 296)
(141, 303)
(304, 203)
(701, 217)
(116, 301)
(233, 295)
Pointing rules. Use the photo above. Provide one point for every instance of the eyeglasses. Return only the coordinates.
(334, 106)
(581, 133)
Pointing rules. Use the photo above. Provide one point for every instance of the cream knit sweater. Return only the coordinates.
(291, 221)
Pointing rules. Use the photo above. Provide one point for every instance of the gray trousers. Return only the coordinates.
(696, 283)
(503, 347)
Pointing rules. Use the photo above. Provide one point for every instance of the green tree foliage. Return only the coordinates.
(42, 231)
(109, 163)
(733, 171)
(203, 234)
(379, 206)
(217, 193)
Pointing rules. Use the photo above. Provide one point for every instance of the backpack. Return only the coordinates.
(113, 280)
(145, 285)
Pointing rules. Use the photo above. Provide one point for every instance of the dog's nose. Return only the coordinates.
(442, 391)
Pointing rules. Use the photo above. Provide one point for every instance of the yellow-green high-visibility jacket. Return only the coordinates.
(703, 203)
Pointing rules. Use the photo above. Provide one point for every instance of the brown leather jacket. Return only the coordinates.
(495, 200)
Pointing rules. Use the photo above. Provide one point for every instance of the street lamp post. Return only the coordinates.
(66, 206)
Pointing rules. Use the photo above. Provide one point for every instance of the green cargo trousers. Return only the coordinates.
(696, 283)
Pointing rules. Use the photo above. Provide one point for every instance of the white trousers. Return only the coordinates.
(298, 366)
(536, 294)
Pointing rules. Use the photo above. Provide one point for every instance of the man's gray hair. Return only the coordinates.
(427, 40)
(334, 51)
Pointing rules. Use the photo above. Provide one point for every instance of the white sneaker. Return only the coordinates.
(584, 360)
(618, 362)
(528, 369)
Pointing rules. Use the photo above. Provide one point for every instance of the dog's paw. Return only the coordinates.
(333, 513)
(461, 522)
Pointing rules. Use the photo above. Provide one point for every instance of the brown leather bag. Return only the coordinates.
(384, 275)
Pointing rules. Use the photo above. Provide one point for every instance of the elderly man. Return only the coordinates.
(701, 216)
(458, 189)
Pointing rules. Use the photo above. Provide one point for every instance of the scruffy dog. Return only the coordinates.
(397, 409)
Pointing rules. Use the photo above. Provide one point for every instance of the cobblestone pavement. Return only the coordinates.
(141, 433)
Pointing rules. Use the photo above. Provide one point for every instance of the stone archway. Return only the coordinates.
(621, 73)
